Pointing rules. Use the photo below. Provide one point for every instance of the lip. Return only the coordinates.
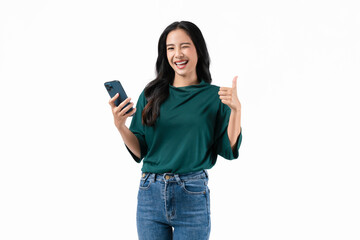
(181, 61)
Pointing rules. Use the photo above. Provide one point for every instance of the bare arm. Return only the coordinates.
(229, 97)
(234, 127)
(120, 117)
(130, 140)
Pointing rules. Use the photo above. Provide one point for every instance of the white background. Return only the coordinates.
(65, 172)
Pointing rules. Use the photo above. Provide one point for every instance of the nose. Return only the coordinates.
(178, 53)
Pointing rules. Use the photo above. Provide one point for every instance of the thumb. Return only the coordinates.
(234, 82)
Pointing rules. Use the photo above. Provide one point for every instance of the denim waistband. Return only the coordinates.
(174, 176)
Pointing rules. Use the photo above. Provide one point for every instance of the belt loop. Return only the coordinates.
(206, 173)
(177, 178)
(155, 174)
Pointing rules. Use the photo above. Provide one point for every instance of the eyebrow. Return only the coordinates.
(180, 44)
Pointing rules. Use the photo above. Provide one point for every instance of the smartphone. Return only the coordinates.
(114, 87)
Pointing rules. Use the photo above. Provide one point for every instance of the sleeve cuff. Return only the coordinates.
(138, 160)
(234, 154)
(143, 149)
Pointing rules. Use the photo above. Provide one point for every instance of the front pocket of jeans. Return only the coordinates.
(145, 185)
(197, 186)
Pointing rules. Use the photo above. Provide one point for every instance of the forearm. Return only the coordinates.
(130, 140)
(234, 127)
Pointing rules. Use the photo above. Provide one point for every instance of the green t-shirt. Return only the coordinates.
(189, 133)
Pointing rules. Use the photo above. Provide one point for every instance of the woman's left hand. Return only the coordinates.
(229, 96)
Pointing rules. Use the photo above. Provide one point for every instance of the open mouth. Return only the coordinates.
(181, 64)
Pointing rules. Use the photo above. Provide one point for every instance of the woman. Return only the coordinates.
(181, 124)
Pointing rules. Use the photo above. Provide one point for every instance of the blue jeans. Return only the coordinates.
(173, 206)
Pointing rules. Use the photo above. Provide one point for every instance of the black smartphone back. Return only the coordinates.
(114, 87)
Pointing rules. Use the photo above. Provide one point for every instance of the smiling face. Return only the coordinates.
(180, 48)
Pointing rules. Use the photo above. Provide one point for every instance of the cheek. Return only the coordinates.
(194, 59)
(193, 55)
(169, 58)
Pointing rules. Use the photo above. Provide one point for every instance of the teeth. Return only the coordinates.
(179, 63)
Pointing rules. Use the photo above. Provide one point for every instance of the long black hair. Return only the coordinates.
(157, 91)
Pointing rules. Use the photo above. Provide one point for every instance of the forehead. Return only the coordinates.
(177, 36)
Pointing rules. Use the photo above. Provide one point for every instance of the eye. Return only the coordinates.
(170, 48)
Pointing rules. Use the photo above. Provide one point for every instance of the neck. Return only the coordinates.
(182, 81)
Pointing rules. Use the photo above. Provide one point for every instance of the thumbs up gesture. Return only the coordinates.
(229, 97)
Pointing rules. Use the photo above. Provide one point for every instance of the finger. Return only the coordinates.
(224, 88)
(225, 101)
(224, 91)
(123, 111)
(234, 82)
(131, 113)
(122, 104)
(225, 97)
(113, 99)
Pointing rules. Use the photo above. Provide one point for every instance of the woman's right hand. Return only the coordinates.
(120, 115)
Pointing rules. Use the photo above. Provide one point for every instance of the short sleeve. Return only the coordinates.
(138, 129)
(222, 142)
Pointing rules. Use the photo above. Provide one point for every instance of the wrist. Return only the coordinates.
(236, 110)
(121, 128)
